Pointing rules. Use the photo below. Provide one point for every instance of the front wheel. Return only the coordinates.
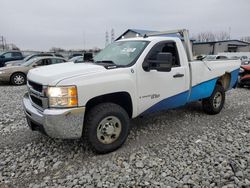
(214, 104)
(18, 79)
(106, 127)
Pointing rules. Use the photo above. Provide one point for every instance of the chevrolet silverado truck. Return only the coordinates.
(129, 78)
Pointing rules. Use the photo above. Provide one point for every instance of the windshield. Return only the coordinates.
(29, 62)
(121, 53)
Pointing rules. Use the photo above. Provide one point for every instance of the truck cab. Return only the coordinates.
(129, 78)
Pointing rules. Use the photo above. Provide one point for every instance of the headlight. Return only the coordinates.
(2, 72)
(62, 96)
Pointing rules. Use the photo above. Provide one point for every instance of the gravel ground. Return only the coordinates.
(175, 148)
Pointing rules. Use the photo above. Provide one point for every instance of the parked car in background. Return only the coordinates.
(244, 76)
(214, 57)
(244, 60)
(10, 56)
(16, 75)
(77, 59)
(88, 56)
(75, 54)
(58, 55)
(85, 58)
(27, 58)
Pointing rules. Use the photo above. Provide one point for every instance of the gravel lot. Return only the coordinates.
(175, 148)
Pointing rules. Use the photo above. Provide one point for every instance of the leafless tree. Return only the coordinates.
(56, 49)
(209, 36)
(246, 39)
(205, 36)
(223, 35)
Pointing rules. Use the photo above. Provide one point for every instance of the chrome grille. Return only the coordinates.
(37, 95)
(36, 86)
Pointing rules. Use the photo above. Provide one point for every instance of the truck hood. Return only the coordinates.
(52, 74)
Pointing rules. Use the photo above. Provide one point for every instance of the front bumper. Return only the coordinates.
(56, 123)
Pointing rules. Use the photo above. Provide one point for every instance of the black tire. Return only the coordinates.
(240, 85)
(212, 105)
(18, 79)
(95, 132)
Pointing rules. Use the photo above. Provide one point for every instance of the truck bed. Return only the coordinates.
(205, 74)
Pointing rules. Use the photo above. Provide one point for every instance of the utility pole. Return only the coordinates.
(229, 30)
(106, 38)
(84, 40)
(112, 35)
(2, 42)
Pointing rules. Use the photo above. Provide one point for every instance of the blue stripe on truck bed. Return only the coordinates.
(200, 91)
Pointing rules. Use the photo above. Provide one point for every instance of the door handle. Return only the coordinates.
(178, 75)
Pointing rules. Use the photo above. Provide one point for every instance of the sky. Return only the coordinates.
(78, 24)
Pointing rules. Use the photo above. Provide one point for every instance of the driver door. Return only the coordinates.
(162, 90)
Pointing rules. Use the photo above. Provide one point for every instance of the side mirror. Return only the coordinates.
(2, 56)
(35, 65)
(163, 62)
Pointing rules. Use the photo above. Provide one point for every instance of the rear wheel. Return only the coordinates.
(240, 85)
(214, 103)
(106, 127)
(18, 79)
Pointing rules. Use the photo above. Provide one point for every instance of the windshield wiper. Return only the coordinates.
(105, 62)
(108, 64)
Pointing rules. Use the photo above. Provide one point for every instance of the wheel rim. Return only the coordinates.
(109, 130)
(18, 79)
(217, 100)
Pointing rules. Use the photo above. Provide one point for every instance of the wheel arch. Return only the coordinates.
(20, 72)
(224, 81)
(120, 98)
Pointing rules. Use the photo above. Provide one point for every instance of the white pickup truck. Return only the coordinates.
(128, 78)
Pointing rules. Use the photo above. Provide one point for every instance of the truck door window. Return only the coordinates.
(169, 47)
